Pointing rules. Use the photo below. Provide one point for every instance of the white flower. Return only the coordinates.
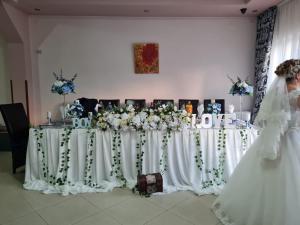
(163, 126)
(244, 84)
(175, 108)
(156, 118)
(143, 116)
(184, 113)
(136, 120)
(146, 126)
(58, 83)
(116, 123)
(110, 117)
(130, 108)
(153, 125)
(124, 116)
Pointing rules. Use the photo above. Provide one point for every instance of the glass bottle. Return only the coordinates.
(189, 107)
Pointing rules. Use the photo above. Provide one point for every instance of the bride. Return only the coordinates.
(265, 187)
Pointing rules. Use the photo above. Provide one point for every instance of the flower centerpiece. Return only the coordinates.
(165, 117)
(240, 88)
(63, 86)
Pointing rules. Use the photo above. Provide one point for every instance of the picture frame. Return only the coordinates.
(146, 58)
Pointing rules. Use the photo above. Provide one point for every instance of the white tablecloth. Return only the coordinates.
(81, 160)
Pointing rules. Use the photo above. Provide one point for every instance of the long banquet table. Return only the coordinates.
(89, 160)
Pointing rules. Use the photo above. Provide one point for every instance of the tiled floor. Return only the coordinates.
(21, 207)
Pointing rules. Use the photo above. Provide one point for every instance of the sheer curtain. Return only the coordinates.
(286, 38)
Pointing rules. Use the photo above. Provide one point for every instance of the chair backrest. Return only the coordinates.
(113, 102)
(220, 101)
(194, 102)
(137, 103)
(16, 122)
(159, 102)
(88, 104)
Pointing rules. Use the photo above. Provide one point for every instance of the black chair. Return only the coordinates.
(183, 102)
(113, 102)
(136, 103)
(220, 101)
(89, 105)
(159, 102)
(17, 126)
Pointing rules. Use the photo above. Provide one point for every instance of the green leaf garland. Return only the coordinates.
(139, 151)
(198, 156)
(117, 170)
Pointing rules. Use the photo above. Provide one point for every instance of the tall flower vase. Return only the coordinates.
(63, 111)
(240, 113)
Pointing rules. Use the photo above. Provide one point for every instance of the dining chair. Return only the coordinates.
(17, 125)
(136, 103)
(159, 102)
(106, 102)
(88, 105)
(194, 102)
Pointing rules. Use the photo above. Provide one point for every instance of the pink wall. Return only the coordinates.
(196, 54)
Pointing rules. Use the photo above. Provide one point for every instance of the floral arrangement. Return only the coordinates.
(214, 108)
(75, 110)
(127, 118)
(63, 86)
(240, 87)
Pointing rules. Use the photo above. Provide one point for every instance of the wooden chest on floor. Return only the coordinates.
(150, 183)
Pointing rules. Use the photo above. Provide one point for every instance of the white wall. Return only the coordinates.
(19, 61)
(195, 54)
(4, 79)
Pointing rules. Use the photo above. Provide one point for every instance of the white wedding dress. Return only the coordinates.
(263, 191)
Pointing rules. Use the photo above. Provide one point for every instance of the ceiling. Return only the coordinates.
(144, 8)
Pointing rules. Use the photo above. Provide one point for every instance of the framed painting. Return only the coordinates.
(146, 58)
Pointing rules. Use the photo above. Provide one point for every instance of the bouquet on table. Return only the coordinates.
(214, 108)
(163, 118)
(240, 87)
(63, 86)
(75, 110)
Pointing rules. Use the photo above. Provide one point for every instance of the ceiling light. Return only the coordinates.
(146, 10)
(37, 9)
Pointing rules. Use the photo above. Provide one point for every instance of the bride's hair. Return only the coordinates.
(288, 69)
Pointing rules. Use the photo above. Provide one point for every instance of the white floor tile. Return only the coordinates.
(109, 199)
(195, 211)
(100, 218)
(67, 212)
(39, 200)
(168, 218)
(135, 211)
(208, 199)
(12, 205)
(29, 219)
(170, 200)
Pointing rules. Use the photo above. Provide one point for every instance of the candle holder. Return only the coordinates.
(49, 118)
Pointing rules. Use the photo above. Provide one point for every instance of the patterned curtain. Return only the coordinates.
(264, 37)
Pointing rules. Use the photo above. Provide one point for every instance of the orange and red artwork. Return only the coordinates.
(146, 58)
